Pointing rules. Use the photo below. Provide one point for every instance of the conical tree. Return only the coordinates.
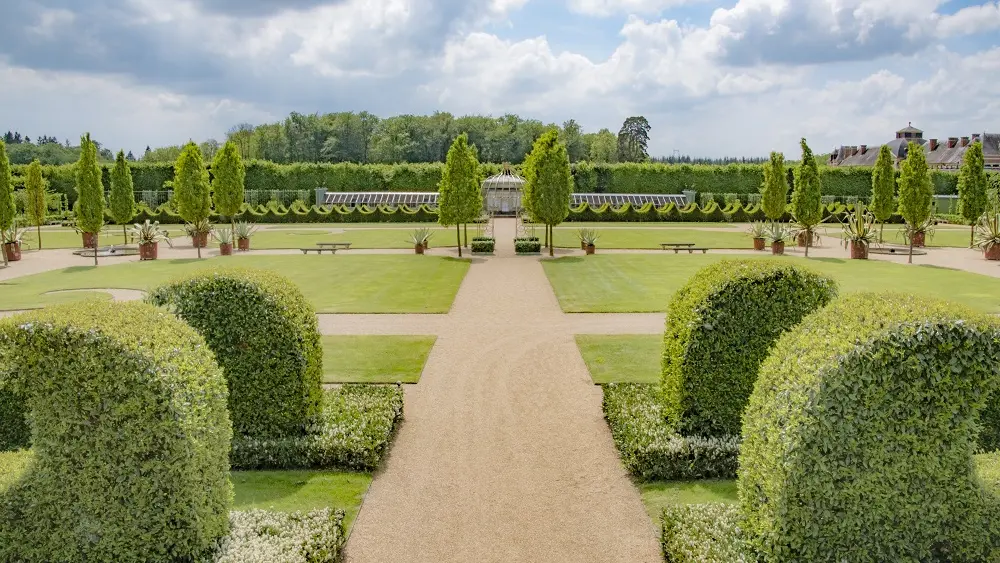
(548, 183)
(35, 188)
(807, 198)
(972, 199)
(7, 209)
(883, 188)
(228, 177)
(774, 190)
(915, 191)
(122, 205)
(90, 192)
(191, 187)
(460, 199)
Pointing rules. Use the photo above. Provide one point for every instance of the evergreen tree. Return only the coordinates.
(774, 190)
(34, 185)
(549, 183)
(460, 199)
(229, 175)
(807, 198)
(7, 209)
(191, 186)
(883, 188)
(90, 192)
(915, 191)
(972, 186)
(122, 204)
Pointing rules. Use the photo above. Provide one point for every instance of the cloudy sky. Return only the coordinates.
(714, 78)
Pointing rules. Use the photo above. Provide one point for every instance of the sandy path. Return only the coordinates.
(504, 455)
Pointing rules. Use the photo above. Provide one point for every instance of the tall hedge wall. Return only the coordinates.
(720, 326)
(130, 437)
(265, 335)
(859, 436)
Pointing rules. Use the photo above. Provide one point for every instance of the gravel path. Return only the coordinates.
(504, 454)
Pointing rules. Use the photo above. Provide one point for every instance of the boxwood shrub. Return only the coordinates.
(265, 335)
(260, 535)
(649, 447)
(130, 437)
(527, 246)
(858, 439)
(720, 327)
(703, 533)
(482, 245)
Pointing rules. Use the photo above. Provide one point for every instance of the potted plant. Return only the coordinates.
(804, 234)
(758, 231)
(242, 231)
(149, 235)
(199, 231)
(589, 240)
(419, 238)
(89, 239)
(988, 235)
(859, 231)
(582, 234)
(918, 233)
(11, 239)
(225, 237)
(778, 235)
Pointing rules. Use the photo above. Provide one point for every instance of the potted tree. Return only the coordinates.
(917, 232)
(199, 231)
(778, 235)
(859, 231)
(243, 230)
(225, 237)
(590, 240)
(419, 238)
(149, 235)
(758, 231)
(11, 239)
(988, 235)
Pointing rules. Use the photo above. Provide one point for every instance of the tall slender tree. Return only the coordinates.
(633, 139)
(460, 199)
(548, 183)
(34, 187)
(122, 205)
(90, 192)
(774, 190)
(229, 176)
(807, 198)
(191, 188)
(883, 188)
(915, 191)
(972, 199)
(7, 209)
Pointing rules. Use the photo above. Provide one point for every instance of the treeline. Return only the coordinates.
(47, 149)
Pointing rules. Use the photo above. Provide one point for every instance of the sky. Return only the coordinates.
(736, 78)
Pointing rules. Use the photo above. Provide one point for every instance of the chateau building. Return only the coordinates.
(942, 154)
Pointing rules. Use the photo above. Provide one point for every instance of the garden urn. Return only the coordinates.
(418, 248)
(919, 239)
(199, 240)
(12, 250)
(992, 252)
(89, 240)
(226, 248)
(591, 248)
(149, 250)
(805, 237)
(758, 243)
(243, 244)
(859, 250)
(778, 247)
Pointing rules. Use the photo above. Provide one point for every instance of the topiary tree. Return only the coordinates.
(90, 194)
(916, 193)
(229, 176)
(883, 188)
(122, 198)
(460, 199)
(548, 183)
(7, 205)
(191, 187)
(774, 190)
(37, 205)
(130, 437)
(972, 199)
(807, 197)
(265, 336)
(720, 327)
(858, 438)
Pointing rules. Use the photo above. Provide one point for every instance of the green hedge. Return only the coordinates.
(256, 536)
(720, 326)
(858, 439)
(527, 246)
(130, 437)
(353, 432)
(265, 336)
(295, 213)
(14, 431)
(484, 246)
(650, 449)
(703, 533)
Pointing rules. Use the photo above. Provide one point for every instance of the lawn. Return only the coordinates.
(652, 235)
(333, 284)
(658, 494)
(375, 359)
(288, 491)
(621, 358)
(644, 283)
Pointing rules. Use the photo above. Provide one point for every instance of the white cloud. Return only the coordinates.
(973, 19)
(637, 7)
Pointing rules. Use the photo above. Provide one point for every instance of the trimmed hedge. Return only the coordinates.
(265, 336)
(703, 533)
(130, 437)
(858, 439)
(485, 246)
(353, 432)
(301, 213)
(720, 326)
(257, 536)
(527, 246)
(650, 449)
(14, 431)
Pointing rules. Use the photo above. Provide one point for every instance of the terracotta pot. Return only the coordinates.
(919, 239)
(243, 244)
(992, 252)
(803, 237)
(149, 250)
(758, 243)
(778, 247)
(89, 240)
(199, 240)
(590, 249)
(226, 248)
(859, 250)
(418, 248)
(12, 250)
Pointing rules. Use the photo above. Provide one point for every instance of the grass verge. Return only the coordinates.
(375, 359)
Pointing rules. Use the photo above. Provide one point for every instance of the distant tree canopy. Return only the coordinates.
(46, 149)
(633, 140)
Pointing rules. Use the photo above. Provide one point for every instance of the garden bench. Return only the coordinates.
(690, 249)
(674, 245)
(335, 245)
(318, 250)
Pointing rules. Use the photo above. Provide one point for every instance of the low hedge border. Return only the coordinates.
(703, 533)
(648, 445)
(254, 536)
(354, 431)
(527, 247)
(484, 246)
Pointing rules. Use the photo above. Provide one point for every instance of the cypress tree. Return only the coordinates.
(228, 177)
(191, 186)
(90, 192)
(548, 183)
(807, 198)
(34, 185)
(122, 204)
(460, 199)
(7, 208)
(915, 191)
(972, 186)
(774, 190)
(883, 188)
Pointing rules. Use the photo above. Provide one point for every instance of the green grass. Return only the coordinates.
(643, 283)
(288, 491)
(621, 358)
(658, 494)
(333, 284)
(651, 237)
(375, 359)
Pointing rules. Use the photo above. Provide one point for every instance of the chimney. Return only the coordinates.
(975, 137)
(933, 145)
(952, 141)
(864, 149)
(965, 141)
(854, 150)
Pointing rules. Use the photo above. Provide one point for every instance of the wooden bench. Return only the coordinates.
(335, 245)
(318, 250)
(690, 249)
(674, 245)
